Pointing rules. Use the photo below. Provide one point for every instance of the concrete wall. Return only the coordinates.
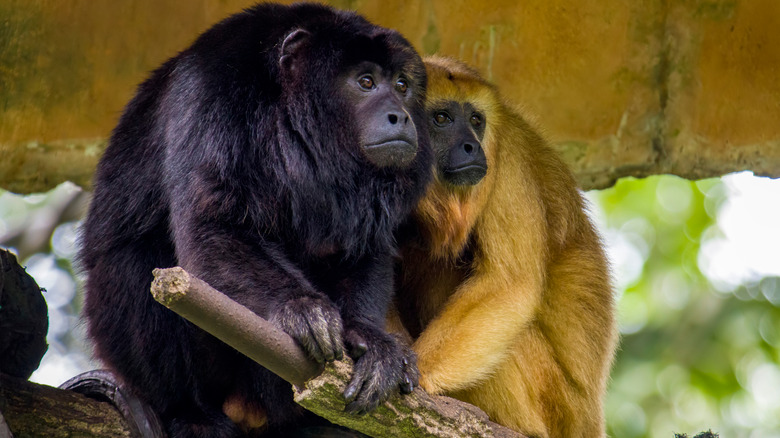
(622, 87)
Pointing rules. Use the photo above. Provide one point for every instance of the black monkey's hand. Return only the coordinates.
(383, 364)
(316, 324)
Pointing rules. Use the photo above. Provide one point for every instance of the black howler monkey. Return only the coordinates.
(504, 284)
(274, 159)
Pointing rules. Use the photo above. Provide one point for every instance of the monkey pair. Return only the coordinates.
(282, 158)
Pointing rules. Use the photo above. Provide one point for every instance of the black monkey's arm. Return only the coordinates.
(366, 291)
(258, 275)
(382, 363)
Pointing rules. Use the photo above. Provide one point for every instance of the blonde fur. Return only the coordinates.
(505, 287)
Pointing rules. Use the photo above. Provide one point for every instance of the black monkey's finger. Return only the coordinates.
(356, 385)
(312, 347)
(297, 320)
(406, 385)
(352, 390)
(365, 403)
(321, 328)
(357, 345)
(336, 332)
(368, 399)
(297, 327)
(377, 384)
(358, 349)
(338, 348)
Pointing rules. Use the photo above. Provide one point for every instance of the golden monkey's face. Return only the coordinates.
(457, 132)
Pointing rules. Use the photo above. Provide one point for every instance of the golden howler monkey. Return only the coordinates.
(504, 284)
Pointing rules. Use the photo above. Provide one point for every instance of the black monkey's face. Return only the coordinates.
(457, 132)
(382, 103)
(371, 85)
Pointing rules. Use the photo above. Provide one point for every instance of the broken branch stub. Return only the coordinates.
(233, 324)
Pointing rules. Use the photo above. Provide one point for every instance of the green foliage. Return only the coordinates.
(691, 358)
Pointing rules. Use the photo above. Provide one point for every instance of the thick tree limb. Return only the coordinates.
(33, 410)
(417, 414)
(414, 415)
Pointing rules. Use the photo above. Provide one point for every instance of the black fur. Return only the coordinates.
(252, 180)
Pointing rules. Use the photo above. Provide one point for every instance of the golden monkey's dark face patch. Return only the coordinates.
(457, 130)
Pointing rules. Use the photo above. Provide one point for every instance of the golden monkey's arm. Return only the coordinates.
(475, 330)
(481, 321)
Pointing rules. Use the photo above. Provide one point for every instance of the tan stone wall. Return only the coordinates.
(622, 87)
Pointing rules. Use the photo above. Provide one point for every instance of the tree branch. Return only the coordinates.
(417, 414)
(233, 324)
(33, 410)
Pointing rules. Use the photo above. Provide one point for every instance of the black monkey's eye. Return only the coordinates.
(366, 82)
(476, 120)
(441, 118)
(401, 86)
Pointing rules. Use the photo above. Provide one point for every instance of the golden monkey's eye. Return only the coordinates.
(401, 86)
(476, 120)
(442, 118)
(366, 82)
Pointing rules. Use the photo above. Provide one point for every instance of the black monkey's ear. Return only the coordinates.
(291, 46)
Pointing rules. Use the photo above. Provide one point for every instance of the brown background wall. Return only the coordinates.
(622, 87)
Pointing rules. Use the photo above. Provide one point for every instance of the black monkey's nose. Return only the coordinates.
(395, 118)
(470, 149)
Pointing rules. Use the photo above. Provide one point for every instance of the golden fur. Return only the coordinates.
(505, 285)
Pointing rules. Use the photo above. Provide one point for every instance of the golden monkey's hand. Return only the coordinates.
(427, 385)
(383, 365)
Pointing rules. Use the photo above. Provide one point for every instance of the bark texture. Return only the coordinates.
(31, 410)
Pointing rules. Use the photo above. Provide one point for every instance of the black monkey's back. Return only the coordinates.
(125, 236)
(244, 176)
